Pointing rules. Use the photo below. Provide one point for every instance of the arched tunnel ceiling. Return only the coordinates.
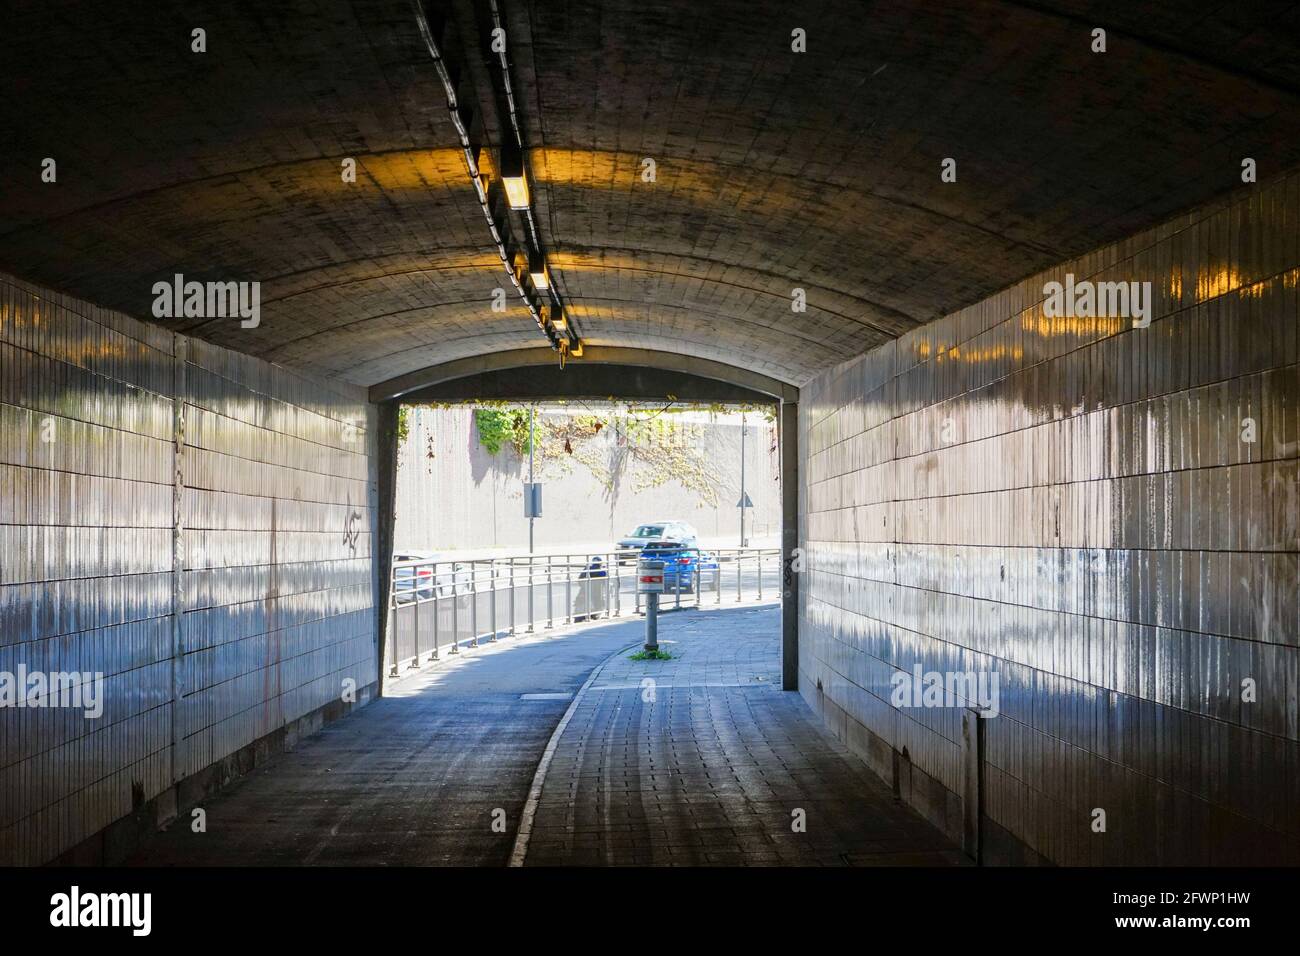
(775, 170)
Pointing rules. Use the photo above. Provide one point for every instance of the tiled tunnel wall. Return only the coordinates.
(271, 571)
(1074, 505)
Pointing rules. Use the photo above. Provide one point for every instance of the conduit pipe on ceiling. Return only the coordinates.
(507, 88)
(498, 227)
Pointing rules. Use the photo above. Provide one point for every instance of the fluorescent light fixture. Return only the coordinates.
(513, 177)
(537, 270)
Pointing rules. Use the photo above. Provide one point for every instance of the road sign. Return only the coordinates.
(744, 501)
(532, 499)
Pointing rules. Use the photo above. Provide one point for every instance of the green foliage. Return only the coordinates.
(403, 422)
(651, 445)
(659, 655)
(495, 428)
(403, 427)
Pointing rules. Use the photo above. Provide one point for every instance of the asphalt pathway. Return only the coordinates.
(706, 769)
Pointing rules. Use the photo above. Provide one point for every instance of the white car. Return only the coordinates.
(416, 581)
(672, 530)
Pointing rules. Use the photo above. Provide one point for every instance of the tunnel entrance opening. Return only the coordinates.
(514, 518)
(625, 437)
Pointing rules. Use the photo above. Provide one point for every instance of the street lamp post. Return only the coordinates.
(743, 501)
(530, 504)
(531, 516)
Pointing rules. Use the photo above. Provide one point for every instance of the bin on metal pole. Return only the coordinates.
(650, 582)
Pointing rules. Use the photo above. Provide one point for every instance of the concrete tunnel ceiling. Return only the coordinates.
(774, 169)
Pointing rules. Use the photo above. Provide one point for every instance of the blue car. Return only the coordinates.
(682, 564)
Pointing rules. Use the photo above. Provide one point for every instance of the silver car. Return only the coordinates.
(672, 530)
(417, 581)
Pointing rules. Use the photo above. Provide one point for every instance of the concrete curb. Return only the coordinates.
(520, 850)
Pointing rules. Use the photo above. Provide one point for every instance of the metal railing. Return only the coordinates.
(438, 606)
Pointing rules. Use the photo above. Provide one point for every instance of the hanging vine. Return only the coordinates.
(652, 447)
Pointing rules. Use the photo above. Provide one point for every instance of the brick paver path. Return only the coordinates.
(704, 760)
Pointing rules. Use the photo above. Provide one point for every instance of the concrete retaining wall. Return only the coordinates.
(454, 494)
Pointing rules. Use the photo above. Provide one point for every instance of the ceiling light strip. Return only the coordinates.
(564, 323)
(498, 226)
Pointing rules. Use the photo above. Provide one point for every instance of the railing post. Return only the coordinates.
(759, 556)
(568, 589)
(392, 627)
(415, 612)
(532, 589)
(436, 626)
(455, 611)
(550, 591)
(698, 580)
(618, 587)
(492, 591)
(473, 604)
(512, 597)
(740, 561)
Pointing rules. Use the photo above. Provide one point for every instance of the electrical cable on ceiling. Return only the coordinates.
(566, 341)
(507, 87)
